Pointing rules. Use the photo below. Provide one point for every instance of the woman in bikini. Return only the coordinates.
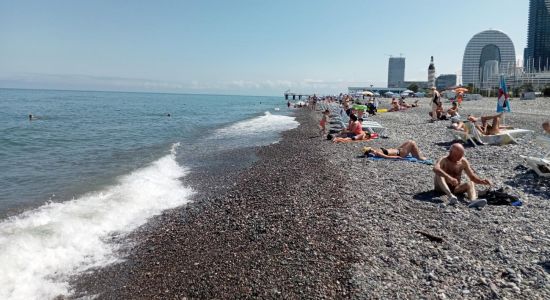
(353, 132)
(408, 147)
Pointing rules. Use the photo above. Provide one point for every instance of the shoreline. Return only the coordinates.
(311, 219)
(268, 231)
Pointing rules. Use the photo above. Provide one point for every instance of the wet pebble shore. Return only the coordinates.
(278, 229)
(312, 219)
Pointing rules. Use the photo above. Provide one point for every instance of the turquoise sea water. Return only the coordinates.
(93, 164)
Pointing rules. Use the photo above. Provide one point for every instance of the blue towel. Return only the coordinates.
(407, 158)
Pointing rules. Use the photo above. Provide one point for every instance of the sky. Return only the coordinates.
(241, 47)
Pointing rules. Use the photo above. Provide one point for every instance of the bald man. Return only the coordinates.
(448, 173)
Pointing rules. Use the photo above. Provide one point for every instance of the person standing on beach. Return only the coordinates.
(459, 98)
(448, 173)
(323, 122)
(436, 102)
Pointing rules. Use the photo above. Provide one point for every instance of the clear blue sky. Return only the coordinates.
(239, 47)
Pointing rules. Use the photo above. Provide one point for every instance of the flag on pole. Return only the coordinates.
(503, 104)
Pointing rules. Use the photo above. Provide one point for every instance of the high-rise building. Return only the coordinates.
(431, 73)
(487, 55)
(536, 55)
(396, 72)
(444, 81)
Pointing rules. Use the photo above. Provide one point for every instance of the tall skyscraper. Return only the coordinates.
(431, 73)
(396, 72)
(537, 53)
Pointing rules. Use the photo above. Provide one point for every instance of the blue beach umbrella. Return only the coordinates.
(503, 103)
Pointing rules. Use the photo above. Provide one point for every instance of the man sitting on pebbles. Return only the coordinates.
(546, 127)
(448, 172)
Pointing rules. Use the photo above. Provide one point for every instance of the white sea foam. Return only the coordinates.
(260, 125)
(41, 248)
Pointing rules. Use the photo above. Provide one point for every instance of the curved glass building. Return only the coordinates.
(488, 54)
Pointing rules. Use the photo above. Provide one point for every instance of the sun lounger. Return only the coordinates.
(541, 165)
(506, 136)
(374, 127)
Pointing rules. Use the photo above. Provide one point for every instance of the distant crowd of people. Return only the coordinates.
(447, 170)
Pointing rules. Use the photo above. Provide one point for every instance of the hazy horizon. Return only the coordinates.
(241, 47)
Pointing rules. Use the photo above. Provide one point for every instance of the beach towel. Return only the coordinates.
(366, 139)
(407, 158)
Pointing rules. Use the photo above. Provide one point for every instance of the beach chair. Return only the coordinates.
(374, 127)
(506, 136)
(541, 165)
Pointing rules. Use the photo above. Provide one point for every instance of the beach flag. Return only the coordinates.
(503, 103)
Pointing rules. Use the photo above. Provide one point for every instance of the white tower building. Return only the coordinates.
(431, 74)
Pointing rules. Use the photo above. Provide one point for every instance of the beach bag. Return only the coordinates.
(500, 197)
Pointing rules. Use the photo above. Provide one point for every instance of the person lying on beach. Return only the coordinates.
(546, 127)
(394, 106)
(408, 147)
(404, 104)
(448, 172)
(486, 128)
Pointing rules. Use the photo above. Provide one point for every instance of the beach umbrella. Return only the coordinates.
(461, 90)
(503, 103)
(367, 93)
(376, 94)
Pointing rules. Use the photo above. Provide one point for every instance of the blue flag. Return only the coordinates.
(503, 103)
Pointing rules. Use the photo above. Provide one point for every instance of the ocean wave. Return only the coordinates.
(40, 249)
(268, 123)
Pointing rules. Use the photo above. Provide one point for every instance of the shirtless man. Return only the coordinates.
(448, 172)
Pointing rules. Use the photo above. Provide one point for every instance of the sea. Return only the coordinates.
(90, 165)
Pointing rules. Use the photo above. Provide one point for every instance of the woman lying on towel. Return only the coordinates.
(408, 147)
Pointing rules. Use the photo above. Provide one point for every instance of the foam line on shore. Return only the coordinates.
(40, 249)
(259, 125)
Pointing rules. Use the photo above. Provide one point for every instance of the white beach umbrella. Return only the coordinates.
(367, 93)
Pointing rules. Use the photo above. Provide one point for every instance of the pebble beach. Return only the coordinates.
(315, 220)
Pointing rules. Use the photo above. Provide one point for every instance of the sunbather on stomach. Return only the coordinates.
(408, 147)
